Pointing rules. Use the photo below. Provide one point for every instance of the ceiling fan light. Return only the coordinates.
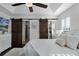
(29, 4)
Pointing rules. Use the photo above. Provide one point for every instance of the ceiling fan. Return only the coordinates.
(29, 5)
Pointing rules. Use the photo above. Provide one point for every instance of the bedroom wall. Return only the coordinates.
(23, 31)
(7, 36)
(34, 29)
(5, 13)
(73, 13)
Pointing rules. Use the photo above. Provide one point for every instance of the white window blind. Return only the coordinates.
(66, 24)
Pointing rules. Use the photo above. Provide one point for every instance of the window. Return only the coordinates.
(66, 24)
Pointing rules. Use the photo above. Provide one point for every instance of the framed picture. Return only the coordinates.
(4, 24)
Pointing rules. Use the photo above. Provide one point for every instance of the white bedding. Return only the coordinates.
(47, 47)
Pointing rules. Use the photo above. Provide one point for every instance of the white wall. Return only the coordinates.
(9, 27)
(23, 31)
(73, 13)
(7, 15)
(4, 15)
(34, 29)
(7, 36)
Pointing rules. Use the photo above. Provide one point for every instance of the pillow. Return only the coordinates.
(72, 42)
(61, 42)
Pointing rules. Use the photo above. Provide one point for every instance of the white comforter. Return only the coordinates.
(47, 47)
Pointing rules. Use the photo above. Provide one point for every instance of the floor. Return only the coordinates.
(15, 52)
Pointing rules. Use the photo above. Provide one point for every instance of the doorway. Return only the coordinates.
(51, 29)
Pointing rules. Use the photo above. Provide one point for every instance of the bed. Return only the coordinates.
(47, 47)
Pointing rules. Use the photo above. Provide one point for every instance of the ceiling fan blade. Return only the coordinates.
(40, 5)
(17, 4)
(31, 9)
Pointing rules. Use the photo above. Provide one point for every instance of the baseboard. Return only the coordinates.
(5, 51)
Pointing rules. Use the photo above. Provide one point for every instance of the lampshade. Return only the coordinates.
(29, 4)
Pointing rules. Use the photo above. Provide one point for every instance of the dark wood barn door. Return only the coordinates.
(43, 29)
(16, 32)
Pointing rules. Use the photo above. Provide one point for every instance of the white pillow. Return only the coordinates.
(61, 42)
(72, 42)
